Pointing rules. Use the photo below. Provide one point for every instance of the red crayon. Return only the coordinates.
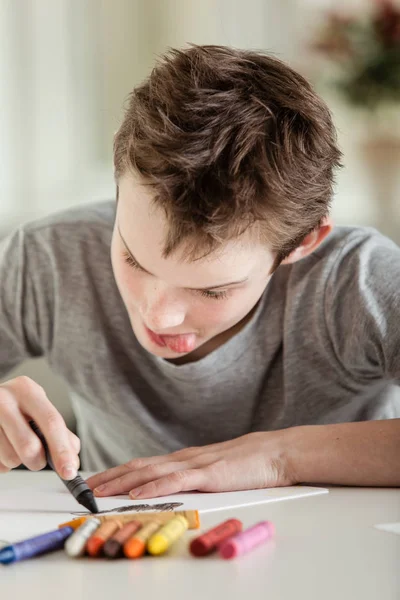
(208, 542)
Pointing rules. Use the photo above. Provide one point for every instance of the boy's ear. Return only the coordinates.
(310, 242)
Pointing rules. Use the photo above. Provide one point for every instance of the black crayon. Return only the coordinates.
(77, 486)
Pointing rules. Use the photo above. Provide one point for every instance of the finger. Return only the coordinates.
(34, 403)
(3, 468)
(198, 456)
(56, 433)
(119, 480)
(174, 483)
(104, 477)
(138, 463)
(133, 479)
(8, 456)
(183, 454)
(25, 443)
(75, 444)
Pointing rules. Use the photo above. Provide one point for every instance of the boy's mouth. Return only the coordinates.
(181, 343)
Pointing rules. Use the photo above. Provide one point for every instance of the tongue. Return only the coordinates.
(180, 343)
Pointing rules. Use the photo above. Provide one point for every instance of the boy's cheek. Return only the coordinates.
(221, 315)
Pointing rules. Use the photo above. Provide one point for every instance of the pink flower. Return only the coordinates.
(387, 23)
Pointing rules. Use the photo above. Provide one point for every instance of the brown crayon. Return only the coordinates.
(113, 548)
(96, 542)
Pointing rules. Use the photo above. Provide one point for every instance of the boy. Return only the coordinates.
(235, 340)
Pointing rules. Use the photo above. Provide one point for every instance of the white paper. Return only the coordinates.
(25, 513)
(56, 499)
(391, 527)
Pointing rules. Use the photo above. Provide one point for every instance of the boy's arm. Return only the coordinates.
(27, 300)
(362, 316)
(362, 311)
(364, 453)
(22, 330)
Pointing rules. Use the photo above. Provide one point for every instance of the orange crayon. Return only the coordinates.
(95, 543)
(113, 548)
(135, 547)
(75, 523)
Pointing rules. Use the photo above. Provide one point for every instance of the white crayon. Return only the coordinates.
(76, 543)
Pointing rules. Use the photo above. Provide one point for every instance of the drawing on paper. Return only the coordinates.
(165, 507)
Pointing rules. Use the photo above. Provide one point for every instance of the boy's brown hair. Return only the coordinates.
(228, 138)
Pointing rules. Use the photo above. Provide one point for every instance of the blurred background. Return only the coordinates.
(66, 67)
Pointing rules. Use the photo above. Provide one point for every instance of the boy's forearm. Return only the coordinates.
(363, 453)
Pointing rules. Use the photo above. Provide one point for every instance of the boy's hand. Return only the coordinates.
(22, 399)
(255, 460)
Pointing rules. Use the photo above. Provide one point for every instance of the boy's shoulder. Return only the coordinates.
(352, 240)
(62, 243)
(352, 247)
(349, 258)
(80, 220)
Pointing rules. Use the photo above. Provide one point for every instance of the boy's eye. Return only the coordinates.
(205, 293)
(214, 295)
(131, 261)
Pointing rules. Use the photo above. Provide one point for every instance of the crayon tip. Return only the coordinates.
(7, 555)
(95, 545)
(75, 523)
(112, 549)
(87, 500)
(157, 544)
(134, 548)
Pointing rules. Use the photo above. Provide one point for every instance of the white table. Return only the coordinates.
(326, 548)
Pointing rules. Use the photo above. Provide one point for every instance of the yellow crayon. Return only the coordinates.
(167, 535)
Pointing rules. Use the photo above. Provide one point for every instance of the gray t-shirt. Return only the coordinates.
(321, 347)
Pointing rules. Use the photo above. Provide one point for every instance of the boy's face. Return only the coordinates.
(178, 307)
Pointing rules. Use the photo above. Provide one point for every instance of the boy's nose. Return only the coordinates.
(160, 321)
(162, 312)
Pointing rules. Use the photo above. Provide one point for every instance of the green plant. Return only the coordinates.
(364, 54)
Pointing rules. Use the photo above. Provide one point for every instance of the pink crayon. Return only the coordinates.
(247, 540)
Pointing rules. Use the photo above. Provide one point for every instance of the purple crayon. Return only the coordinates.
(41, 544)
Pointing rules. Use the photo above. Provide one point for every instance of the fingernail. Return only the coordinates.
(100, 489)
(135, 493)
(69, 472)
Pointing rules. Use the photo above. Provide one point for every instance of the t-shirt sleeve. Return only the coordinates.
(26, 300)
(362, 309)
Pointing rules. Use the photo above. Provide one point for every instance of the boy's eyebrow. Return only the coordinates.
(212, 287)
(130, 253)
